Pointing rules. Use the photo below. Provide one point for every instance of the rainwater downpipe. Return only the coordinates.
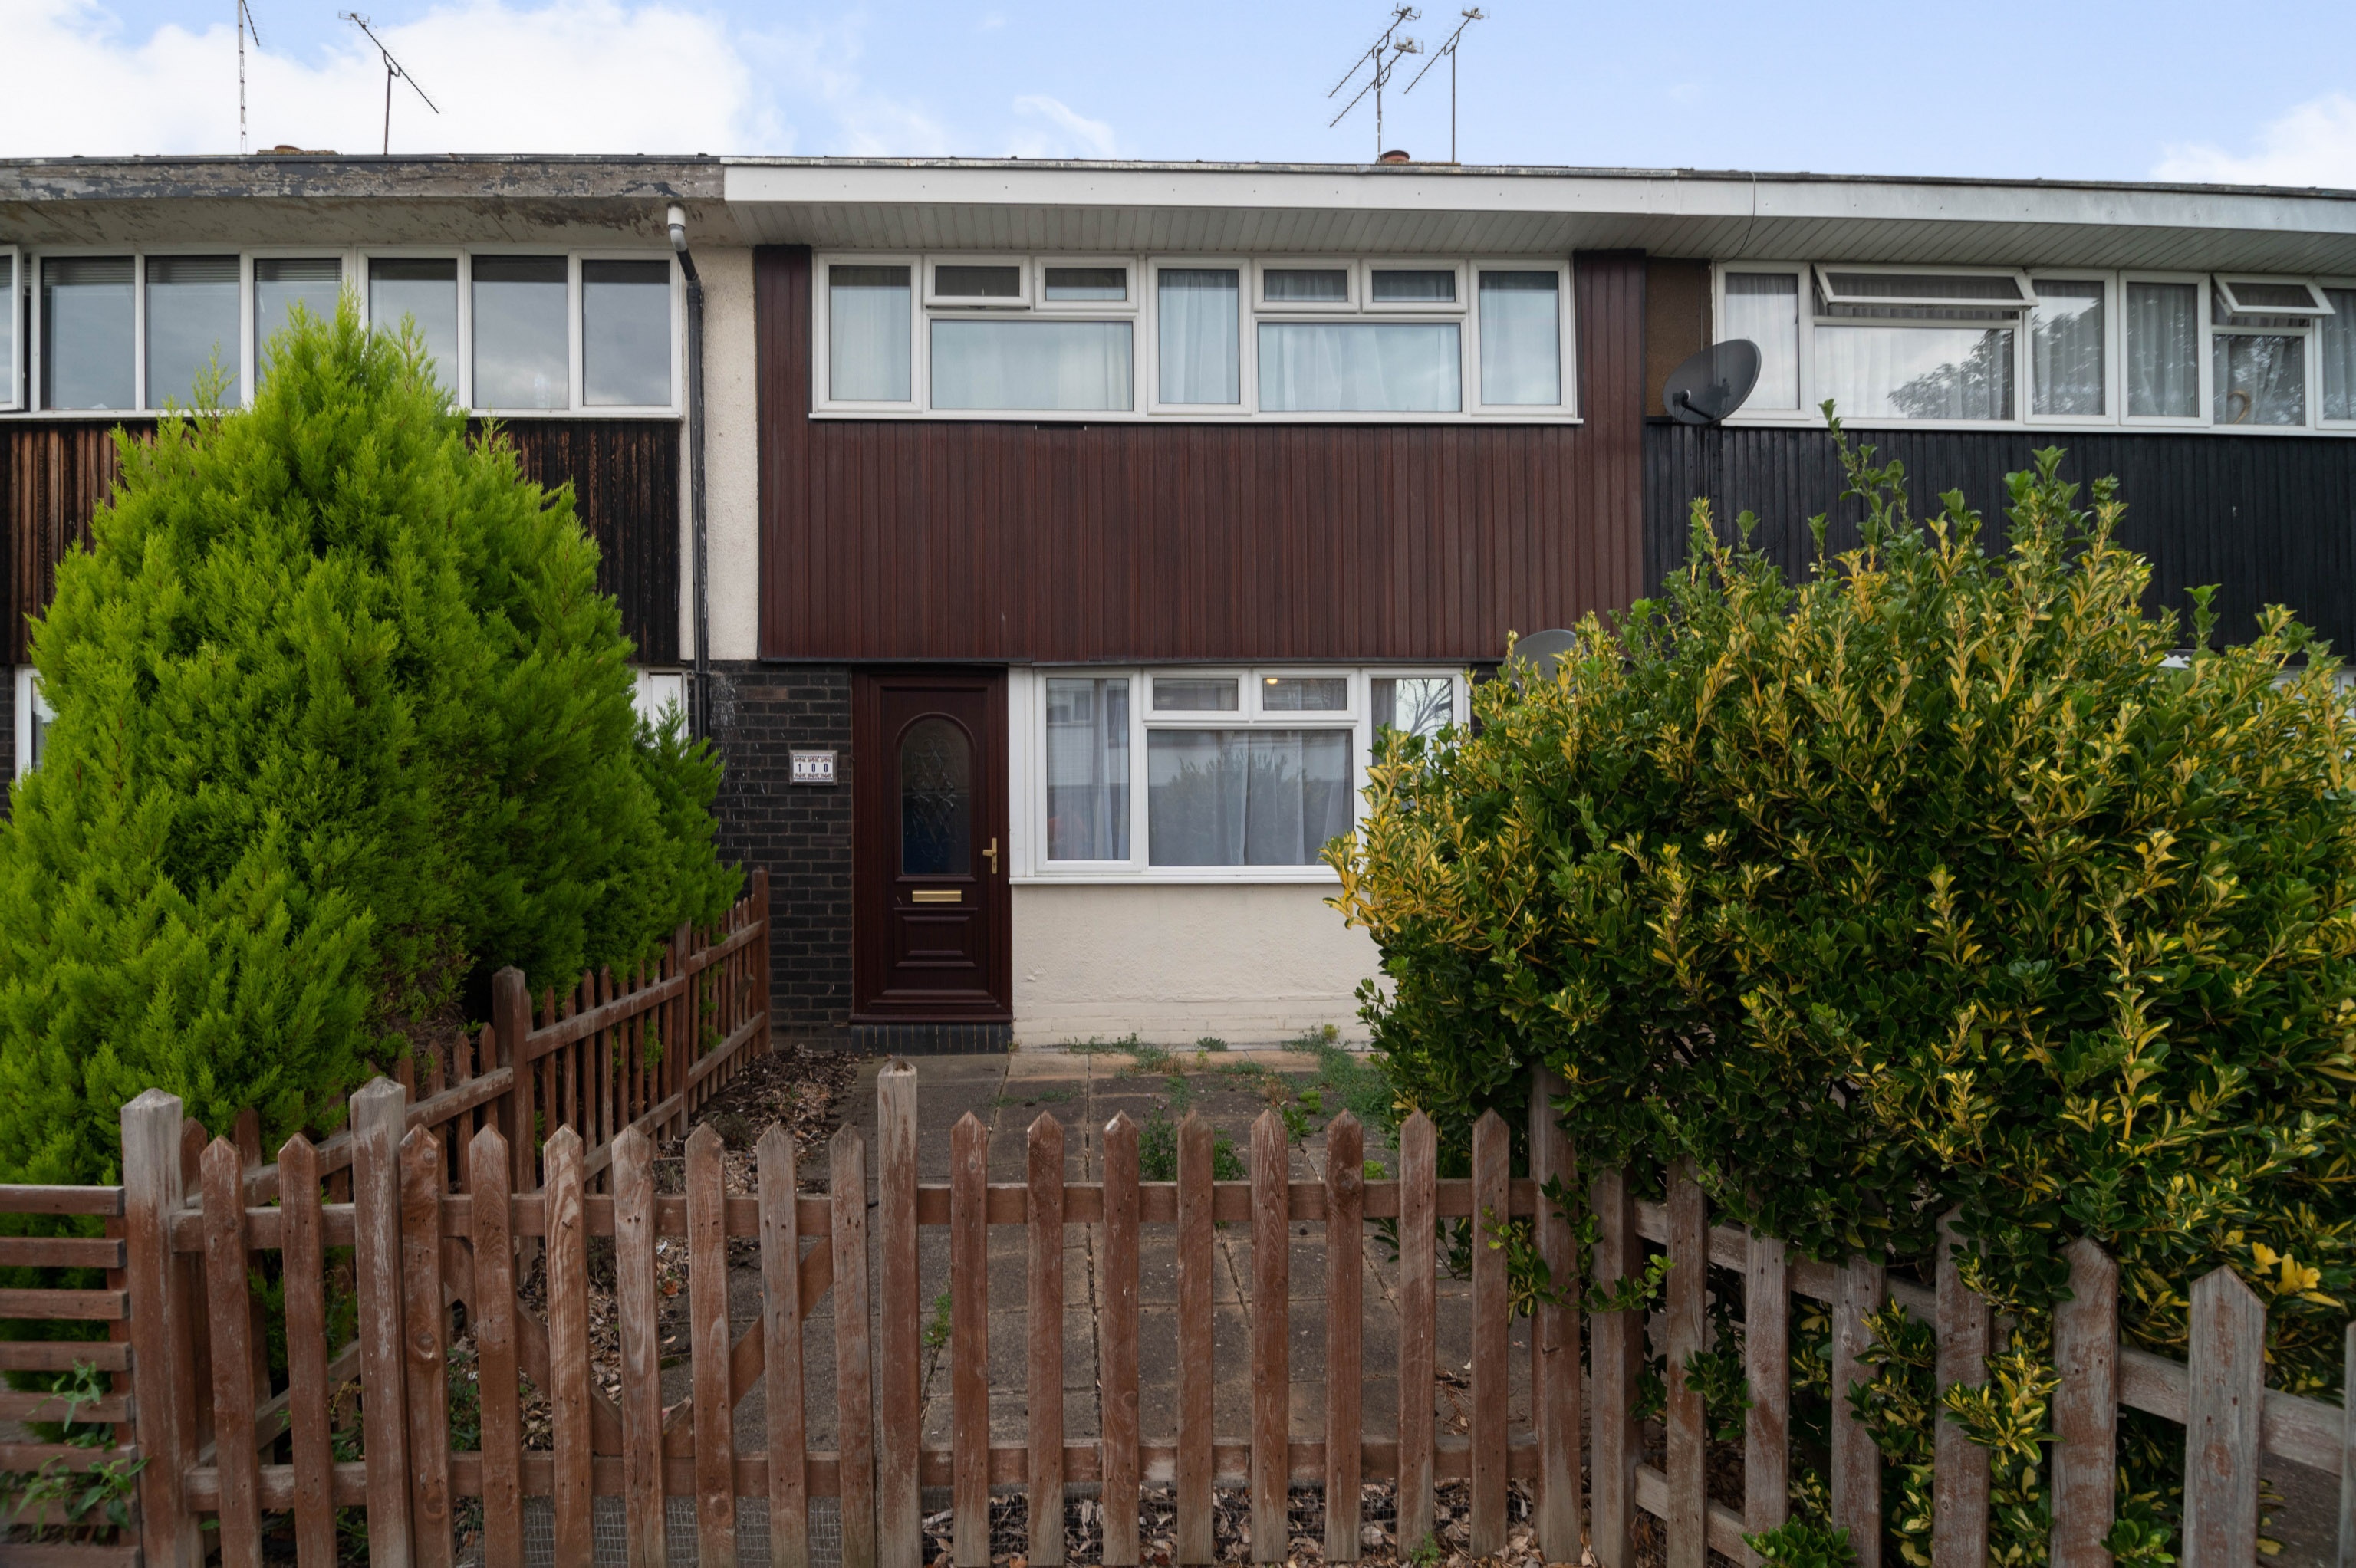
(699, 715)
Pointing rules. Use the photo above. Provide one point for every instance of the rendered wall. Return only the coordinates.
(732, 467)
(1251, 965)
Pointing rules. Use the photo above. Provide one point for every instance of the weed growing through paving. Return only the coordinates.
(937, 1332)
(1157, 1153)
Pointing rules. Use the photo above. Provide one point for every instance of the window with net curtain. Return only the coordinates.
(2066, 348)
(1246, 798)
(1026, 364)
(868, 339)
(2335, 340)
(1087, 769)
(1360, 367)
(2163, 350)
(1764, 307)
(1199, 335)
(1521, 339)
(1945, 361)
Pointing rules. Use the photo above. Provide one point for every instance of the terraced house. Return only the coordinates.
(1045, 544)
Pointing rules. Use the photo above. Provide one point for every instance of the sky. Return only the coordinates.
(2058, 89)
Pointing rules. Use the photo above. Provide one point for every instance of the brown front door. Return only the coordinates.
(928, 831)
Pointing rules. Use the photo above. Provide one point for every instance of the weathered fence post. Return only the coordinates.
(781, 1363)
(1688, 1329)
(2085, 1464)
(707, 1299)
(229, 1301)
(511, 1026)
(854, 1387)
(1491, 1323)
(2348, 1451)
(1767, 1368)
(152, 1195)
(1043, 1320)
(1617, 1357)
(1271, 1338)
(1118, 1343)
(424, 1317)
(1195, 1265)
(899, 1533)
(1417, 1244)
(969, 1339)
(636, 1304)
(2226, 1394)
(378, 1111)
(1554, 1331)
(1959, 1477)
(1345, 1203)
(1857, 1463)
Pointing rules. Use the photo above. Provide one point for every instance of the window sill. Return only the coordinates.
(2047, 427)
(1167, 876)
(1124, 416)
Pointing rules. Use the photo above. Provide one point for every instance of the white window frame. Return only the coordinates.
(248, 360)
(571, 409)
(1824, 280)
(2315, 372)
(1352, 281)
(29, 703)
(580, 329)
(1247, 353)
(2317, 304)
(463, 373)
(1370, 265)
(822, 398)
(966, 303)
(1566, 332)
(35, 364)
(1132, 306)
(2113, 361)
(1027, 721)
(2288, 323)
(13, 394)
(1143, 312)
(250, 320)
(1805, 340)
(2200, 420)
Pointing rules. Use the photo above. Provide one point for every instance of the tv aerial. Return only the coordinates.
(245, 24)
(1383, 58)
(392, 68)
(1713, 383)
(1448, 49)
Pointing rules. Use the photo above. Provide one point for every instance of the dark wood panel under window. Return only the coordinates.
(2270, 519)
(1676, 322)
(1022, 540)
(54, 473)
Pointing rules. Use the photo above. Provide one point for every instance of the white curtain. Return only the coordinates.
(1916, 372)
(1352, 367)
(1521, 340)
(1246, 798)
(2260, 378)
(1087, 770)
(2336, 339)
(1029, 364)
(2065, 347)
(868, 340)
(1200, 334)
(2163, 322)
(1765, 308)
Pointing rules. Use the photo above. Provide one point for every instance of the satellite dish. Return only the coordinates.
(1713, 383)
(1542, 651)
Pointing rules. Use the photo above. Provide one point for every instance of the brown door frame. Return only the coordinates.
(876, 881)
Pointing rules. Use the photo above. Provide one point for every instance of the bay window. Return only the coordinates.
(1203, 338)
(1963, 346)
(1193, 774)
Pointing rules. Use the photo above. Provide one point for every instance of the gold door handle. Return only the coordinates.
(993, 853)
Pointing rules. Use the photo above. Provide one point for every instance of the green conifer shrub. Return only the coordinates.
(1933, 880)
(342, 722)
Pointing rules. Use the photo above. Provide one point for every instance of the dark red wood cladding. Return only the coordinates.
(1027, 540)
(625, 476)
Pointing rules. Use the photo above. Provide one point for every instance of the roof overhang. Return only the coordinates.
(1443, 209)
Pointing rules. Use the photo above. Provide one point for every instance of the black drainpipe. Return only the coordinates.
(699, 703)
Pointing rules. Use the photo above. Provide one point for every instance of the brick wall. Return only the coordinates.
(802, 834)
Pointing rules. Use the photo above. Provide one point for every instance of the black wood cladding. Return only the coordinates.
(2270, 519)
(1023, 540)
(625, 476)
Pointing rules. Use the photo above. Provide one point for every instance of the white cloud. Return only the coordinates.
(1067, 133)
(563, 77)
(2313, 144)
(822, 64)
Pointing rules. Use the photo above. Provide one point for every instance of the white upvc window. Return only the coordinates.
(34, 717)
(12, 352)
(512, 332)
(1295, 339)
(2335, 355)
(656, 694)
(1204, 774)
(1964, 348)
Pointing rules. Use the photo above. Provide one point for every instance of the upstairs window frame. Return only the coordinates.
(15, 360)
(353, 263)
(2343, 285)
(1142, 311)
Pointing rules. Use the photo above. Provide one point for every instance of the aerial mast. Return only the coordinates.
(392, 68)
(1470, 16)
(1382, 57)
(245, 25)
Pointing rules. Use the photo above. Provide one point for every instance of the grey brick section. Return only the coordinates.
(759, 713)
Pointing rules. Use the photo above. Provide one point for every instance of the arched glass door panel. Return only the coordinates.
(935, 799)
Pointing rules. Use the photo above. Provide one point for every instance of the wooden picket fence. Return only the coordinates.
(637, 1054)
(421, 1243)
